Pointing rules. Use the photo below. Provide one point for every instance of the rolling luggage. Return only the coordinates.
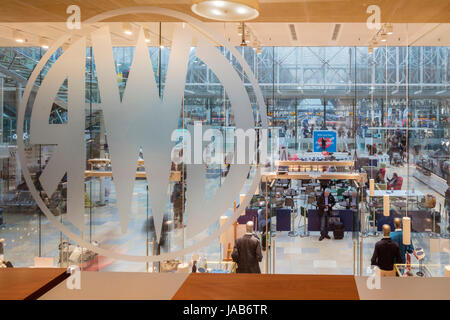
(338, 231)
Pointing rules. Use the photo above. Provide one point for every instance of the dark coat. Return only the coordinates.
(321, 204)
(385, 254)
(247, 254)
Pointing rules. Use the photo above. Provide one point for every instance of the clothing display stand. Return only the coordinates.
(374, 232)
(293, 232)
(305, 232)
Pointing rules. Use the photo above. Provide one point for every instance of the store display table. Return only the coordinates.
(29, 283)
(395, 193)
(346, 217)
(419, 219)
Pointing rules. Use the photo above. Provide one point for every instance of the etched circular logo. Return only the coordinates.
(151, 131)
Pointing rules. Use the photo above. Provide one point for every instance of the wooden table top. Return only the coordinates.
(361, 177)
(335, 163)
(174, 175)
(267, 287)
(29, 283)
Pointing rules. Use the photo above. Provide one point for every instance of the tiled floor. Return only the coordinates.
(308, 255)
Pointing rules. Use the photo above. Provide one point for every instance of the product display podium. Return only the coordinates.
(412, 270)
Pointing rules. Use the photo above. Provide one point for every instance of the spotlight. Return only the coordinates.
(127, 29)
(18, 36)
(147, 36)
(389, 28)
(43, 43)
(383, 36)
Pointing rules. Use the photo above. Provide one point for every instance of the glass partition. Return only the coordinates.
(389, 111)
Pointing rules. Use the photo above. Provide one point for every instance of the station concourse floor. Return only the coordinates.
(301, 255)
(307, 255)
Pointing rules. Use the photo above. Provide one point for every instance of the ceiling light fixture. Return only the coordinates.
(226, 10)
(389, 28)
(383, 36)
(18, 36)
(147, 36)
(127, 29)
(243, 42)
(43, 43)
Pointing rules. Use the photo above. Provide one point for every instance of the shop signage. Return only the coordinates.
(140, 120)
(330, 138)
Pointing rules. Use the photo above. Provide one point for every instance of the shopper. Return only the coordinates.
(386, 254)
(325, 203)
(392, 182)
(247, 252)
(397, 236)
(380, 175)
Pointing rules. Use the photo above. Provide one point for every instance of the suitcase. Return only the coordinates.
(338, 231)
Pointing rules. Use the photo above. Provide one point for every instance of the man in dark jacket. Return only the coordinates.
(386, 254)
(247, 252)
(325, 203)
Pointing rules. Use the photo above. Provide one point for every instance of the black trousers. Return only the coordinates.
(324, 224)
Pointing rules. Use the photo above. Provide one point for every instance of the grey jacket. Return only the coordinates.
(247, 254)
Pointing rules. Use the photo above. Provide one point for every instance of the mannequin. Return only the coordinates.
(3, 262)
(247, 251)
(386, 231)
(397, 236)
(386, 254)
(249, 227)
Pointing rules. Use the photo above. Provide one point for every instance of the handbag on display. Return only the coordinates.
(430, 201)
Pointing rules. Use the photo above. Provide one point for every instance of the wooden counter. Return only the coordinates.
(29, 283)
(174, 175)
(334, 163)
(267, 287)
(269, 176)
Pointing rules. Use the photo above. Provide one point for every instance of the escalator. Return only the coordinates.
(18, 64)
